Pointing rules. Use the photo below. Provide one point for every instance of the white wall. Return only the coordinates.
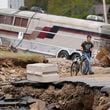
(3, 3)
(15, 4)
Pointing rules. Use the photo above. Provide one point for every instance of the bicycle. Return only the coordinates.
(78, 64)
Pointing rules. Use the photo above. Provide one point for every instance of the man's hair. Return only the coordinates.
(89, 36)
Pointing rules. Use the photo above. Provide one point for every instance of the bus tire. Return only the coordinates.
(75, 55)
(63, 54)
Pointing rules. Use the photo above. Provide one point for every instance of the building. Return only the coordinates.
(99, 11)
(15, 4)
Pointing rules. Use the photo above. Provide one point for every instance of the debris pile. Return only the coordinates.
(63, 64)
(13, 65)
(104, 103)
(104, 57)
(61, 96)
(52, 96)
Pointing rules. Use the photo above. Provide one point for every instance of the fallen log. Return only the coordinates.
(20, 59)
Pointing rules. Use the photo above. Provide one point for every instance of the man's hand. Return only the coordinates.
(91, 49)
(81, 48)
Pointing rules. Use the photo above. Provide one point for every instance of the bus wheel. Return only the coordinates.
(63, 54)
(75, 55)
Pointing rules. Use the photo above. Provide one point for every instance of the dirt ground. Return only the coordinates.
(63, 98)
(71, 96)
(64, 67)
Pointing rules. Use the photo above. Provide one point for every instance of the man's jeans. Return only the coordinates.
(87, 64)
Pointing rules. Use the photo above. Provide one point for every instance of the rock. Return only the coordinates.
(2, 78)
(53, 106)
(41, 72)
(39, 105)
(12, 71)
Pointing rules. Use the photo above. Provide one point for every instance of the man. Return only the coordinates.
(87, 47)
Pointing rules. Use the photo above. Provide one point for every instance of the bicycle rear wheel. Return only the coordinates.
(75, 68)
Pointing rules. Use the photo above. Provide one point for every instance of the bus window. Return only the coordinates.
(17, 21)
(8, 20)
(2, 19)
(22, 22)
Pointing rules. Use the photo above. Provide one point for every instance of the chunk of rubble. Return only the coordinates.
(103, 57)
(106, 89)
(39, 105)
(25, 101)
(41, 72)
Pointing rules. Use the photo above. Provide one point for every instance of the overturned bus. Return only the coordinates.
(50, 34)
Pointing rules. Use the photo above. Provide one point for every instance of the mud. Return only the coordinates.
(60, 96)
(64, 96)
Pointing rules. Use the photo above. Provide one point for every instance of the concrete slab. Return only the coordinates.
(43, 78)
(41, 72)
(41, 68)
(92, 80)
